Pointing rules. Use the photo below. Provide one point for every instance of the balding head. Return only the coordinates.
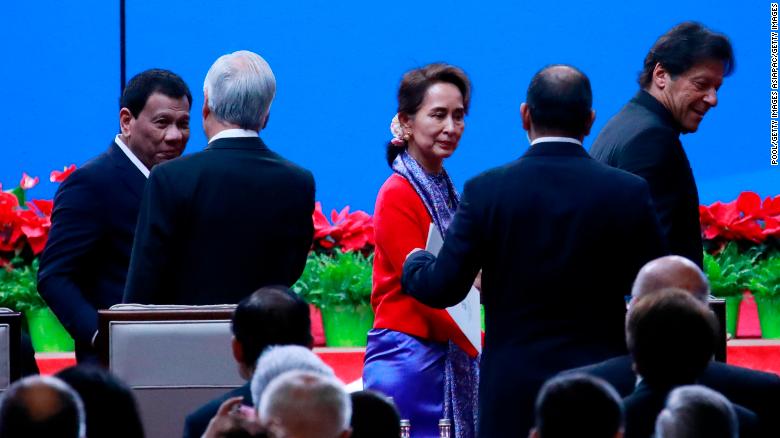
(41, 406)
(671, 272)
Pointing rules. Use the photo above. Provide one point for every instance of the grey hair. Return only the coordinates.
(278, 359)
(239, 89)
(323, 399)
(67, 394)
(696, 411)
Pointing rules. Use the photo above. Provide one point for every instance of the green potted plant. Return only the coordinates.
(18, 291)
(765, 285)
(339, 284)
(729, 273)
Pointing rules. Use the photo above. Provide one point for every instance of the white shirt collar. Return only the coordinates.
(131, 156)
(234, 133)
(551, 139)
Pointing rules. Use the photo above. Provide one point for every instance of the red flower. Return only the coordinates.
(35, 228)
(28, 182)
(736, 220)
(349, 231)
(44, 206)
(57, 176)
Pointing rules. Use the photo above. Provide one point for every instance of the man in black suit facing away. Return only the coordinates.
(84, 265)
(755, 390)
(273, 315)
(219, 224)
(559, 238)
(680, 80)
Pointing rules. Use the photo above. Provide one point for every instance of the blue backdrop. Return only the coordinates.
(338, 64)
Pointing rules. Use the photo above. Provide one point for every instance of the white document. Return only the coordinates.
(467, 314)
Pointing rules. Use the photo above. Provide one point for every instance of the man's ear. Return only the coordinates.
(590, 122)
(346, 434)
(125, 119)
(238, 351)
(660, 76)
(265, 120)
(525, 115)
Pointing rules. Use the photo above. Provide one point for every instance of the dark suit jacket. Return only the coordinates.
(84, 264)
(217, 225)
(644, 139)
(644, 404)
(559, 237)
(755, 390)
(197, 422)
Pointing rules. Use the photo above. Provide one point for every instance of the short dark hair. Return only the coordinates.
(373, 416)
(273, 315)
(671, 337)
(560, 99)
(146, 83)
(578, 405)
(684, 46)
(108, 403)
(415, 83)
(63, 417)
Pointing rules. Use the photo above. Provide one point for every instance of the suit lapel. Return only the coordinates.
(127, 173)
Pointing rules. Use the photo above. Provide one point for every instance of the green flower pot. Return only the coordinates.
(769, 316)
(47, 333)
(732, 314)
(347, 326)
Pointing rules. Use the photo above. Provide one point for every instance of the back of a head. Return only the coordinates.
(306, 405)
(671, 337)
(277, 360)
(109, 404)
(240, 87)
(374, 416)
(146, 83)
(41, 406)
(684, 46)
(671, 271)
(697, 412)
(578, 405)
(273, 315)
(559, 99)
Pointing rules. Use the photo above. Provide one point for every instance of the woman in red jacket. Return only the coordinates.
(416, 354)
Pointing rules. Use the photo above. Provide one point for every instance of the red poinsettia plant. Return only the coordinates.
(24, 225)
(747, 220)
(345, 231)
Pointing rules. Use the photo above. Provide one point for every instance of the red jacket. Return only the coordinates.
(401, 224)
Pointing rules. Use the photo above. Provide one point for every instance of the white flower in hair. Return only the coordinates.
(397, 131)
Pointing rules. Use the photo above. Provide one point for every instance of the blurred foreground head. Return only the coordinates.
(41, 406)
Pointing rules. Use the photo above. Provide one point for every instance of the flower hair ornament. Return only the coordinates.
(399, 137)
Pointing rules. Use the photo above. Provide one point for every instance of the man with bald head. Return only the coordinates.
(41, 406)
(755, 390)
(542, 229)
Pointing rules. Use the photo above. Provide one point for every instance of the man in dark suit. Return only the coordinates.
(273, 315)
(219, 224)
(84, 265)
(559, 238)
(681, 76)
(671, 337)
(752, 389)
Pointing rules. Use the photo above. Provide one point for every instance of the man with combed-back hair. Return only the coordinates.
(219, 224)
(695, 411)
(41, 406)
(679, 84)
(301, 404)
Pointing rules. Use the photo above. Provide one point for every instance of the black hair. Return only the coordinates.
(273, 315)
(560, 99)
(578, 405)
(416, 83)
(373, 416)
(684, 46)
(146, 83)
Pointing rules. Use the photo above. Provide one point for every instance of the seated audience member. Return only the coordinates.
(671, 337)
(41, 406)
(108, 403)
(374, 416)
(301, 404)
(578, 405)
(755, 390)
(233, 420)
(696, 412)
(273, 315)
(278, 360)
